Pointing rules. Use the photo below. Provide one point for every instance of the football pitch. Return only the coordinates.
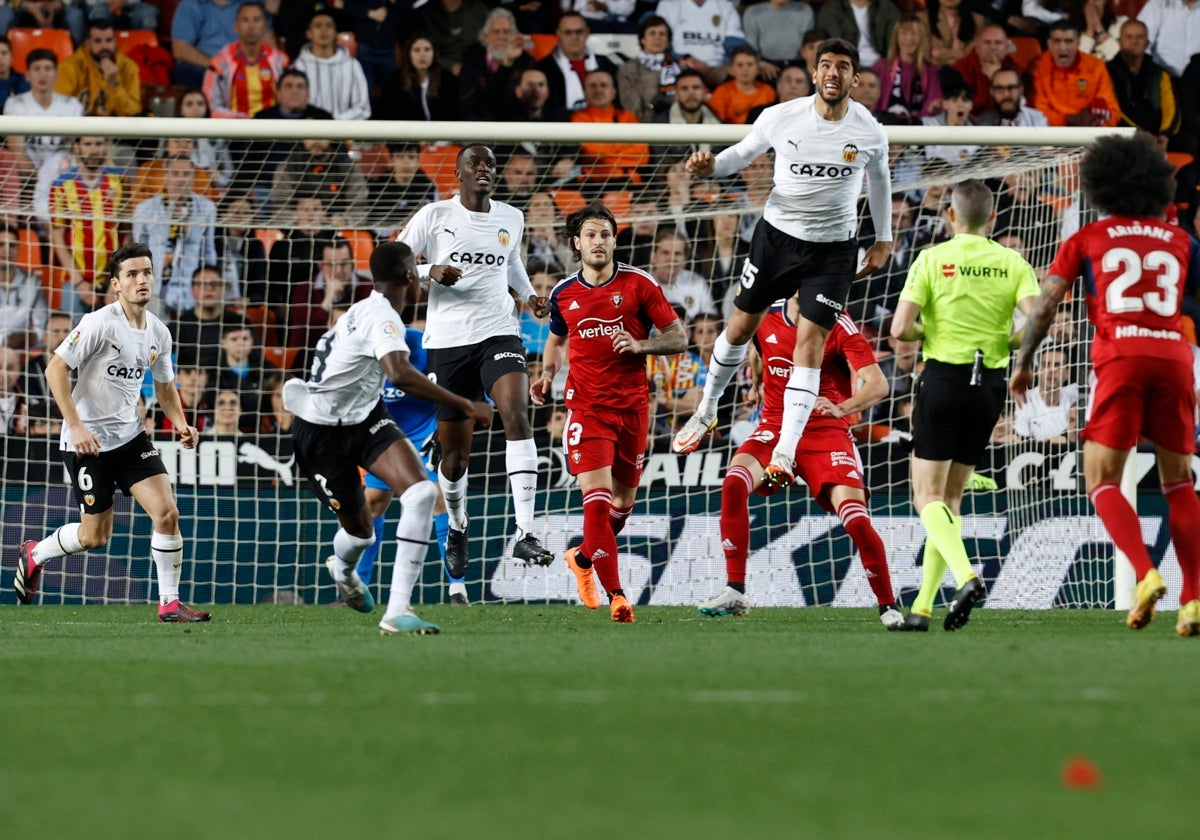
(551, 722)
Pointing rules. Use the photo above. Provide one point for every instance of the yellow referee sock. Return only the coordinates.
(931, 579)
(945, 532)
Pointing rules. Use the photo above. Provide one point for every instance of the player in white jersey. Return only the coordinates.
(104, 443)
(805, 242)
(472, 247)
(341, 424)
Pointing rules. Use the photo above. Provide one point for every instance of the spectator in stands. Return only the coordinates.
(1039, 14)
(841, 19)
(908, 77)
(530, 101)
(1071, 88)
(1101, 28)
(394, 198)
(679, 380)
(193, 374)
(683, 287)
(11, 82)
(646, 84)
(776, 31)
(519, 179)
(106, 82)
(124, 14)
(200, 29)
(44, 416)
(1187, 95)
(1049, 412)
(227, 415)
(1144, 91)
(570, 62)
(957, 100)
(606, 15)
(243, 370)
(86, 202)
(41, 156)
(1007, 95)
(953, 27)
(704, 33)
(49, 14)
(545, 237)
(243, 259)
(419, 89)
(535, 331)
(258, 160)
(14, 415)
(336, 283)
(23, 307)
(451, 27)
(376, 29)
(721, 252)
(179, 226)
(869, 91)
(808, 48)
(151, 175)
(279, 420)
(242, 77)
(899, 369)
(733, 100)
(635, 243)
(873, 299)
(336, 82)
(491, 67)
(608, 162)
(687, 109)
(322, 168)
(201, 327)
(293, 259)
(977, 67)
(1020, 211)
(1174, 32)
(210, 155)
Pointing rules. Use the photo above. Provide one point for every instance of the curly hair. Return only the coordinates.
(1128, 176)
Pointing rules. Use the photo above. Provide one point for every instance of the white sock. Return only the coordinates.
(455, 494)
(520, 457)
(62, 542)
(725, 361)
(349, 548)
(799, 397)
(458, 589)
(412, 544)
(167, 551)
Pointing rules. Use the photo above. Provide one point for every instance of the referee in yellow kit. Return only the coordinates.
(964, 291)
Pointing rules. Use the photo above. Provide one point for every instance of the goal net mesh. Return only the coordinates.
(254, 532)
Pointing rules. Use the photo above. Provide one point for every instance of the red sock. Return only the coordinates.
(735, 521)
(1181, 523)
(1121, 522)
(599, 542)
(617, 517)
(856, 519)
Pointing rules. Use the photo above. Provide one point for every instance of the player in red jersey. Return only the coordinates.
(604, 314)
(1136, 269)
(826, 457)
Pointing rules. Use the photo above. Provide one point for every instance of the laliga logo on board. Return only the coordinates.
(849, 153)
(503, 237)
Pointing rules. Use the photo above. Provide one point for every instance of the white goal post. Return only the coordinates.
(254, 533)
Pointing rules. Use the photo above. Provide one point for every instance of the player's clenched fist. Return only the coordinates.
(481, 412)
(445, 275)
(701, 164)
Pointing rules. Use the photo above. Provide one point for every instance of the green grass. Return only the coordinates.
(547, 722)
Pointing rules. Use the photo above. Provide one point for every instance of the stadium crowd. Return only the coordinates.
(260, 245)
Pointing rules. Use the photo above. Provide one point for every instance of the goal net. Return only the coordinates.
(295, 213)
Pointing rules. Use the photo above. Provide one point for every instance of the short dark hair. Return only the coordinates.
(743, 49)
(101, 23)
(1063, 25)
(127, 252)
(41, 54)
(814, 36)
(397, 147)
(689, 73)
(205, 269)
(390, 262)
(335, 242)
(597, 211)
(838, 46)
(1128, 176)
(654, 20)
(256, 4)
(10, 229)
(293, 73)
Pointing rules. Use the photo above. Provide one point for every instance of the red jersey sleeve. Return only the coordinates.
(1068, 262)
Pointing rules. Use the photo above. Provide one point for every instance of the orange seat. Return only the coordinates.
(29, 252)
(1180, 159)
(540, 45)
(618, 202)
(265, 323)
(362, 243)
(350, 41)
(568, 201)
(23, 40)
(438, 163)
(1025, 50)
(282, 357)
(130, 39)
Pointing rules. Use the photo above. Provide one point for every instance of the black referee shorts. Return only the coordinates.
(952, 419)
(471, 370)
(780, 265)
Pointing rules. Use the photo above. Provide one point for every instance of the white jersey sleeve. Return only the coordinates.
(346, 378)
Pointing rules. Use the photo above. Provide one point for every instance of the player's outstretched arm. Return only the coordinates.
(403, 375)
(58, 377)
(1041, 311)
(168, 398)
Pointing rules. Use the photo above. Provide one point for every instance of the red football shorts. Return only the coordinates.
(598, 438)
(825, 458)
(1142, 396)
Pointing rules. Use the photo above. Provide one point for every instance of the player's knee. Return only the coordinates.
(167, 522)
(421, 496)
(516, 424)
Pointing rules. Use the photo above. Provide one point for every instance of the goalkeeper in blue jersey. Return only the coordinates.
(417, 419)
